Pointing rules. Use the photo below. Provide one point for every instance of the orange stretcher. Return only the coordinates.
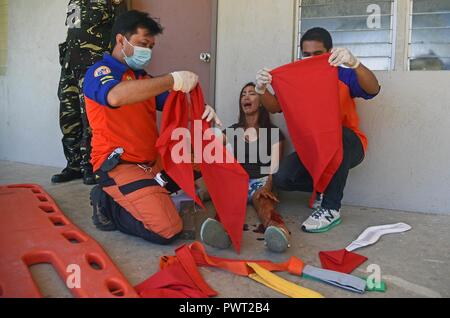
(33, 230)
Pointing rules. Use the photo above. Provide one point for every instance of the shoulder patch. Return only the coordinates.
(102, 71)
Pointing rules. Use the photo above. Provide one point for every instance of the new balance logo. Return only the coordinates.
(330, 217)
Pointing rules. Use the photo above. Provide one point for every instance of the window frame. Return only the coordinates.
(393, 29)
(410, 29)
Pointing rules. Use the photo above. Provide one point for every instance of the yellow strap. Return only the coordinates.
(279, 284)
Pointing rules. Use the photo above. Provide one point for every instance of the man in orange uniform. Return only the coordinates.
(133, 195)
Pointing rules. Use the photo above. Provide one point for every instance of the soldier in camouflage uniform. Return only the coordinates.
(89, 25)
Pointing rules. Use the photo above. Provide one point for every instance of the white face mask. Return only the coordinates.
(140, 59)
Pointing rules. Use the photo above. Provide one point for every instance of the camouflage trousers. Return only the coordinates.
(73, 120)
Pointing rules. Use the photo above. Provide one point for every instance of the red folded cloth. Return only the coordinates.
(308, 92)
(227, 181)
(171, 282)
(179, 276)
(181, 279)
(341, 261)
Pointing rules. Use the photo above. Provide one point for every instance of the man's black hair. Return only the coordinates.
(128, 24)
(320, 35)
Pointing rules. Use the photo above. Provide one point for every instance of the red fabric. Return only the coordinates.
(172, 282)
(227, 182)
(179, 276)
(308, 93)
(175, 115)
(179, 280)
(188, 262)
(239, 267)
(341, 261)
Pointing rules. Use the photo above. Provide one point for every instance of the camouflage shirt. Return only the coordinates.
(89, 25)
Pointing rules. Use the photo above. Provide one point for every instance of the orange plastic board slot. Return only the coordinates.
(33, 230)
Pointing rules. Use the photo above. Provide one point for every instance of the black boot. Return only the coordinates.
(89, 178)
(67, 175)
(100, 217)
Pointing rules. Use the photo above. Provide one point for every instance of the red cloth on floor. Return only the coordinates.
(179, 280)
(227, 182)
(239, 267)
(172, 282)
(341, 261)
(308, 92)
(179, 276)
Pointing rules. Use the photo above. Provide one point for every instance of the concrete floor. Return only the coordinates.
(413, 264)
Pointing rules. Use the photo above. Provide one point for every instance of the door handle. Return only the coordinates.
(205, 57)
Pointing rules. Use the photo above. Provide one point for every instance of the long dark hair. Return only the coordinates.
(263, 118)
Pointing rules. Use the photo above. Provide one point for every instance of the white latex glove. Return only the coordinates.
(342, 56)
(263, 79)
(184, 81)
(210, 114)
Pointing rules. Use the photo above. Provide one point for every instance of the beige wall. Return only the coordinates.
(408, 124)
(3, 35)
(251, 34)
(29, 126)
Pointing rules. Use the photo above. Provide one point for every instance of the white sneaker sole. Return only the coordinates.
(324, 229)
(212, 233)
(276, 240)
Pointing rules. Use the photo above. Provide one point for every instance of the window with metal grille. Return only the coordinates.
(3, 35)
(429, 43)
(365, 27)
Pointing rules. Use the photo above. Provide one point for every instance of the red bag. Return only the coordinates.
(227, 182)
(308, 92)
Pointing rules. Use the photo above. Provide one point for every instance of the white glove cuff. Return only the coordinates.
(260, 90)
(357, 64)
(177, 81)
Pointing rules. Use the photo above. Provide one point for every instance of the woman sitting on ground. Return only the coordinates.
(258, 137)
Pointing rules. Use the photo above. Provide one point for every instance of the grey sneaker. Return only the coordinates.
(276, 239)
(322, 220)
(213, 234)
